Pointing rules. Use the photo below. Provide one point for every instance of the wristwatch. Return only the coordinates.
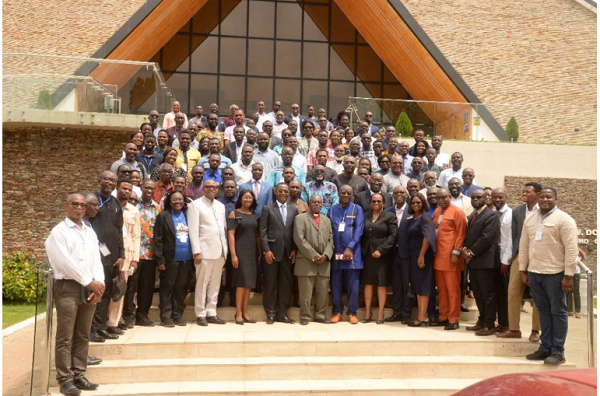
(569, 277)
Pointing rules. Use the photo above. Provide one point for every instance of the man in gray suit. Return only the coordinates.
(479, 252)
(314, 238)
(276, 238)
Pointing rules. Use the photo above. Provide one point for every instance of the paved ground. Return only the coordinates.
(17, 351)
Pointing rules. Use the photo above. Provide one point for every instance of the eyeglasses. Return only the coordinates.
(78, 204)
(377, 201)
(133, 200)
(153, 115)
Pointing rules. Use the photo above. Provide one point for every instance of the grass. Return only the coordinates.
(13, 313)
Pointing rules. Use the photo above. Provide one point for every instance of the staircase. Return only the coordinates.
(363, 359)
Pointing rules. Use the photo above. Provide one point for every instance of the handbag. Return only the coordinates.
(119, 286)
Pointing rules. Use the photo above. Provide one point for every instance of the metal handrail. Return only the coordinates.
(590, 311)
(47, 361)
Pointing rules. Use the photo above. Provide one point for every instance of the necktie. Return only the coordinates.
(283, 213)
(474, 216)
(256, 189)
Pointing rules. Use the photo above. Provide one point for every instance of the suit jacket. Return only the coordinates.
(450, 236)
(231, 151)
(380, 235)
(518, 219)
(312, 240)
(207, 228)
(108, 226)
(482, 238)
(274, 236)
(265, 194)
(401, 240)
(164, 238)
(363, 199)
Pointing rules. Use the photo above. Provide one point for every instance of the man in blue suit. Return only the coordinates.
(261, 189)
(347, 222)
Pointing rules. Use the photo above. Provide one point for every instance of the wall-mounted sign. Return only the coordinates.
(587, 236)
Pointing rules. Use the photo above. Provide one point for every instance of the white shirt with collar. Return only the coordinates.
(505, 240)
(74, 253)
(442, 159)
(463, 202)
(300, 161)
(400, 212)
(528, 212)
(242, 173)
(262, 118)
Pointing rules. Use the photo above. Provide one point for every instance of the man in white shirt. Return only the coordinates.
(238, 117)
(169, 120)
(264, 155)
(395, 177)
(73, 252)
(457, 198)
(505, 248)
(276, 107)
(442, 159)
(455, 171)
(243, 168)
(262, 116)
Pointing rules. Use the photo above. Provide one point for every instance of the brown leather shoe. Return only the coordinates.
(510, 334)
(485, 331)
(336, 318)
(534, 337)
(501, 329)
(476, 327)
(353, 319)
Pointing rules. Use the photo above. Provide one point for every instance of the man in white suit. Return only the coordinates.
(207, 229)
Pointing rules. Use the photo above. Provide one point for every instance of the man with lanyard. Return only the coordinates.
(347, 221)
(194, 190)
(149, 157)
(187, 157)
(108, 225)
(72, 250)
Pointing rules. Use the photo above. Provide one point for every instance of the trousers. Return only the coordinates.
(277, 292)
(448, 284)
(552, 303)
(146, 277)
(349, 280)
(516, 288)
(208, 283)
(306, 284)
(402, 297)
(173, 285)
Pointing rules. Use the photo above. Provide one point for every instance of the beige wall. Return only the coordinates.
(493, 161)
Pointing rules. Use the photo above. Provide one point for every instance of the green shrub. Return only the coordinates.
(512, 129)
(403, 126)
(19, 278)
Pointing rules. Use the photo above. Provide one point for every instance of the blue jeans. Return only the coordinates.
(551, 301)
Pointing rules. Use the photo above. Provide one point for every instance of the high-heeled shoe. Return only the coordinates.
(239, 322)
(418, 323)
(367, 319)
(379, 321)
(249, 320)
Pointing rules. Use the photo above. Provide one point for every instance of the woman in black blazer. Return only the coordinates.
(378, 241)
(173, 253)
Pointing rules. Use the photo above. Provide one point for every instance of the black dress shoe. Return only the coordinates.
(114, 330)
(123, 326)
(285, 319)
(476, 327)
(405, 320)
(215, 320)
(144, 322)
(451, 326)
(202, 322)
(95, 337)
(129, 324)
(84, 384)
(93, 361)
(179, 322)
(438, 323)
(69, 389)
(394, 318)
(107, 335)
(463, 308)
(167, 323)
(270, 320)
(303, 322)
(322, 320)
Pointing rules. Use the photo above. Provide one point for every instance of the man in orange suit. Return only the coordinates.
(451, 228)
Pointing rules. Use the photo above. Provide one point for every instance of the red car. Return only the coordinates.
(580, 382)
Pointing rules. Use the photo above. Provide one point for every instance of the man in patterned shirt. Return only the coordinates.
(326, 190)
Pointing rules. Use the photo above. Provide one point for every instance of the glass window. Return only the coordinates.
(314, 60)
(339, 92)
(203, 91)
(287, 92)
(261, 19)
(233, 55)
(314, 93)
(339, 69)
(178, 85)
(259, 89)
(234, 23)
(204, 58)
(288, 59)
(315, 22)
(289, 21)
(231, 90)
(260, 57)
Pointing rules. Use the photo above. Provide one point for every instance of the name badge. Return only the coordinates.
(342, 227)
(104, 250)
(538, 235)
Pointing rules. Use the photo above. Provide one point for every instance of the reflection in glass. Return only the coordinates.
(314, 93)
(178, 84)
(339, 92)
(287, 92)
(233, 55)
(288, 60)
(231, 90)
(289, 21)
(262, 16)
(259, 89)
(204, 58)
(235, 23)
(203, 91)
(260, 57)
(314, 60)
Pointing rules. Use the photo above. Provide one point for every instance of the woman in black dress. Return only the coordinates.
(378, 241)
(244, 246)
(420, 237)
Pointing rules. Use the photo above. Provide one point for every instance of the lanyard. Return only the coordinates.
(101, 201)
(78, 232)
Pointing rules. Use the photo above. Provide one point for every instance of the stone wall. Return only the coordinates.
(576, 197)
(41, 166)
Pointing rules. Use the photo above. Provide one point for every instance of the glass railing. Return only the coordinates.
(537, 123)
(43, 335)
(76, 84)
(589, 297)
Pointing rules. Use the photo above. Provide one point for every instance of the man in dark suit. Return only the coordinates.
(276, 238)
(261, 189)
(363, 198)
(516, 287)
(233, 148)
(402, 297)
(479, 251)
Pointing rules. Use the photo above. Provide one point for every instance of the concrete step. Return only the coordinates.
(310, 367)
(342, 339)
(359, 387)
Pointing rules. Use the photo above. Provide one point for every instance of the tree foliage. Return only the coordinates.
(20, 278)
(512, 129)
(404, 126)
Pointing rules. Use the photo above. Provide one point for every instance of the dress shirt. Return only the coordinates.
(241, 172)
(196, 119)
(469, 191)
(148, 213)
(442, 159)
(312, 156)
(225, 162)
(169, 120)
(327, 191)
(73, 253)
(463, 202)
(262, 118)
(300, 161)
(370, 154)
(229, 205)
(229, 132)
(556, 249)
(276, 175)
(193, 192)
(407, 169)
(338, 167)
(278, 128)
(135, 165)
(209, 174)
(305, 145)
(528, 212)
(399, 213)
(269, 160)
(505, 240)
(448, 174)
(391, 180)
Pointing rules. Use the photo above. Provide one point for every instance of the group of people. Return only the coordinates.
(304, 205)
